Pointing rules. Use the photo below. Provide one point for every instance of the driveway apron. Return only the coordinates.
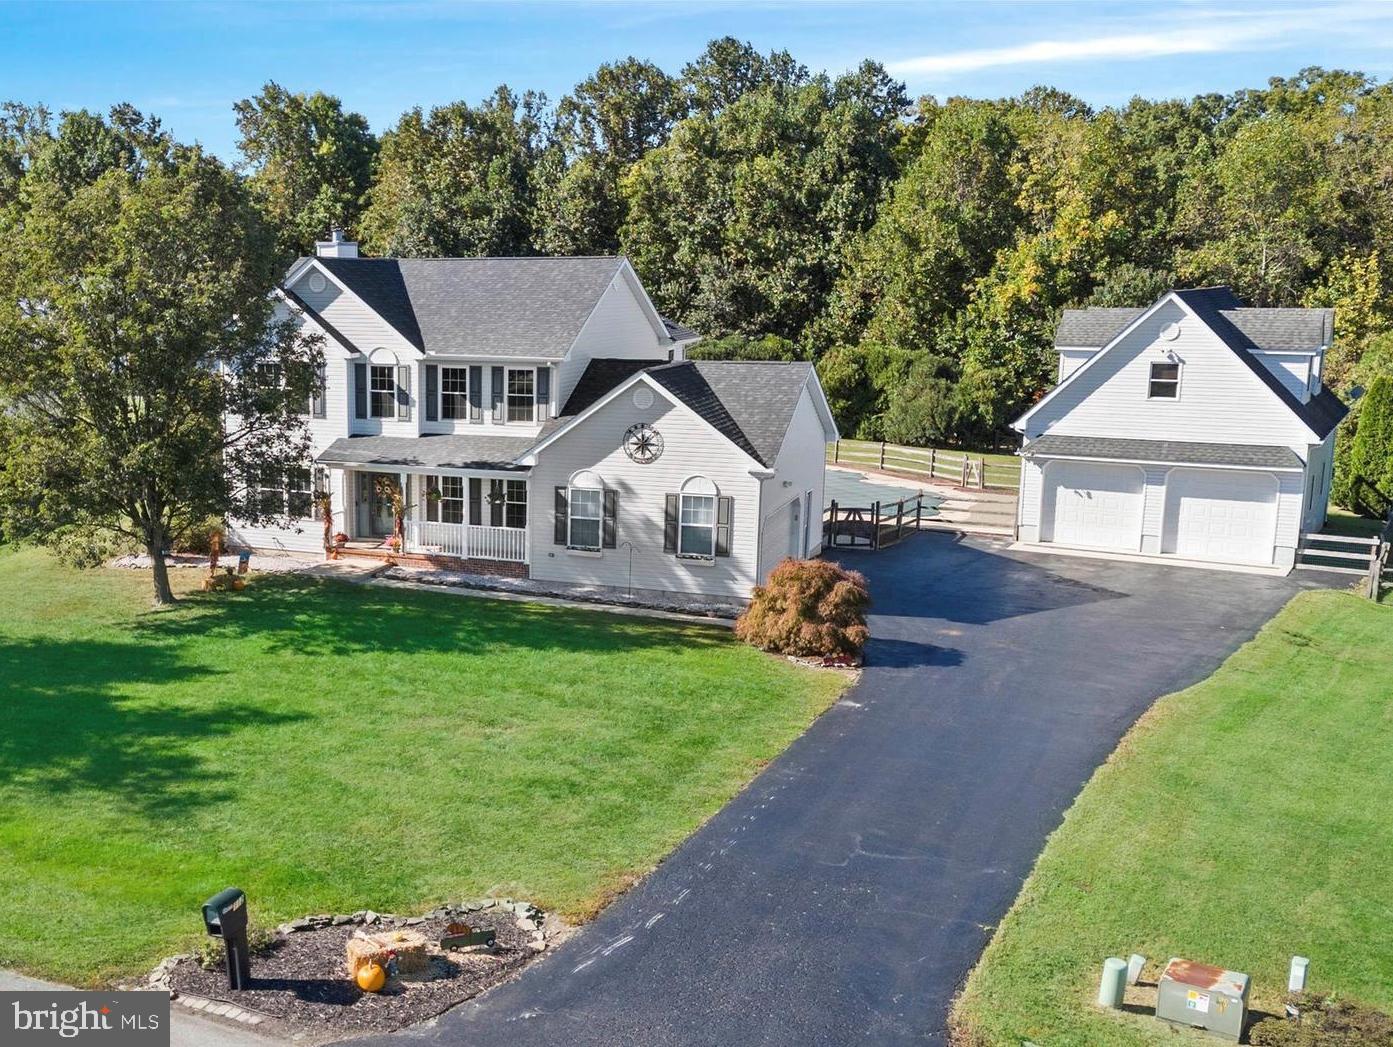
(843, 897)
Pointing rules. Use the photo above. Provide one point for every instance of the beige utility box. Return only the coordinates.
(1203, 997)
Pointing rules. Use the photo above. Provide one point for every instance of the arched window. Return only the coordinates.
(696, 528)
(585, 497)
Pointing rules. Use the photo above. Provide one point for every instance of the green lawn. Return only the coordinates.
(1242, 821)
(1343, 522)
(331, 747)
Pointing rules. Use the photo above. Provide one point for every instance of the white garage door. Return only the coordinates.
(1217, 515)
(1095, 505)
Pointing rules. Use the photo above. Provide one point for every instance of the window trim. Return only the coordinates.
(508, 372)
(598, 518)
(374, 392)
(509, 501)
(462, 393)
(1172, 383)
(682, 525)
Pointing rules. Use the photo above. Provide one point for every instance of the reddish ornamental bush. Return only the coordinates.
(808, 608)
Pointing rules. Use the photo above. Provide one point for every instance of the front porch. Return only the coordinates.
(476, 523)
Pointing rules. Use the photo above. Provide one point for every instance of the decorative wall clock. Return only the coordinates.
(643, 443)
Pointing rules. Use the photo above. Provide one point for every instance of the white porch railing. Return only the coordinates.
(469, 542)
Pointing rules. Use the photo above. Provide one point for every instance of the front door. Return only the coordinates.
(375, 518)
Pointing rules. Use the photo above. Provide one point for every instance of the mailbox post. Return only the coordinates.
(225, 917)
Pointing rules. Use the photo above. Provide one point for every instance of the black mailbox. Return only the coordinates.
(225, 917)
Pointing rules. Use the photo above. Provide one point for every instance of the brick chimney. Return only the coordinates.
(336, 246)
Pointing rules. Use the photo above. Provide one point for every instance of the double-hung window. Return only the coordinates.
(697, 526)
(299, 493)
(451, 500)
(268, 492)
(454, 392)
(515, 503)
(587, 508)
(382, 391)
(1165, 381)
(521, 394)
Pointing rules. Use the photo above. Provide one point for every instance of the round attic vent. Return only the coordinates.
(316, 282)
(643, 398)
(1170, 332)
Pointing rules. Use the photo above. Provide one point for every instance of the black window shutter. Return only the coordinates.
(495, 503)
(562, 510)
(610, 518)
(360, 390)
(317, 396)
(670, 524)
(432, 393)
(403, 392)
(476, 394)
(498, 394)
(724, 509)
(543, 392)
(476, 498)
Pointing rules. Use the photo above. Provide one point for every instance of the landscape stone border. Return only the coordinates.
(545, 928)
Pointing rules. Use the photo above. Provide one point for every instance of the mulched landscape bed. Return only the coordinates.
(300, 984)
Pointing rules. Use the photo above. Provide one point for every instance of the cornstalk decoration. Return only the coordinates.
(324, 502)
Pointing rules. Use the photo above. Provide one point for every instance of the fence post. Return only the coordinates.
(831, 528)
(836, 452)
(933, 455)
(875, 524)
(964, 470)
(981, 474)
(899, 519)
(882, 454)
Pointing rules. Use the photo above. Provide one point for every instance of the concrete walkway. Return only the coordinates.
(186, 1030)
(843, 897)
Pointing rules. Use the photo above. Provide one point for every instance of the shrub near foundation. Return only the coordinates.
(808, 608)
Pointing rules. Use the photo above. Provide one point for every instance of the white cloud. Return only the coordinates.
(1215, 34)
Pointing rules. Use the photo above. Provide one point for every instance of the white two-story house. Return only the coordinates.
(1192, 429)
(541, 420)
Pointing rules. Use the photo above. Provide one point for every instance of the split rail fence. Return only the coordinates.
(957, 468)
(1368, 557)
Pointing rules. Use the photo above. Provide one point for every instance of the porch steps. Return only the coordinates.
(389, 559)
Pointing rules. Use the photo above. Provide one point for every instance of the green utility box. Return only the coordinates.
(1203, 997)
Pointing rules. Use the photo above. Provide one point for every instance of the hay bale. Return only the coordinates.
(410, 947)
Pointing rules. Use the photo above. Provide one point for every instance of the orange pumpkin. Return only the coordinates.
(371, 977)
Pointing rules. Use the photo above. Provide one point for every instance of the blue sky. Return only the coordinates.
(189, 62)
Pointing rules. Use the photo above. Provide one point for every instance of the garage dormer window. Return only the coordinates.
(1165, 381)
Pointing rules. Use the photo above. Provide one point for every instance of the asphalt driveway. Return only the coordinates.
(845, 895)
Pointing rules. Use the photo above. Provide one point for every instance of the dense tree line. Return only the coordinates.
(919, 252)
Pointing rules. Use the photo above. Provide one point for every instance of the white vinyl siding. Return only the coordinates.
(801, 464)
(617, 328)
(1221, 401)
(691, 448)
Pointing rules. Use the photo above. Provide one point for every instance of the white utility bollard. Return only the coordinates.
(1135, 963)
(1296, 980)
(1114, 982)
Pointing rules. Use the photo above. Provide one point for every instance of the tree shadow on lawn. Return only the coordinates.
(325, 617)
(69, 728)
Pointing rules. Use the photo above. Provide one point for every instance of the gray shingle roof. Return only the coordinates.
(1273, 330)
(750, 402)
(1243, 330)
(1213, 305)
(484, 307)
(1163, 451)
(427, 452)
(600, 376)
(1092, 328)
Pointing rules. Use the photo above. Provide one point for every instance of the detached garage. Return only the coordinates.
(1211, 503)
